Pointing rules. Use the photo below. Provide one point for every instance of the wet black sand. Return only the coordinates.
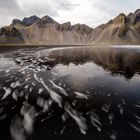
(69, 93)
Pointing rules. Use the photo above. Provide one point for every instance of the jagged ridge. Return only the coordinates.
(124, 29)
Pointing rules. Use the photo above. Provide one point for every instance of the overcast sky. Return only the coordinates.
(90, 12)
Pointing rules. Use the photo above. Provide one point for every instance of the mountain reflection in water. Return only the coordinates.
(70, 93)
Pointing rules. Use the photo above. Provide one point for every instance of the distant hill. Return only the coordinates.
(124, 29)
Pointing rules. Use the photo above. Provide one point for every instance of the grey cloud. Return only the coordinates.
(8, 3)
(105, 9)
(8, 10)
(67, 5)
(40, 9)
(9, 7)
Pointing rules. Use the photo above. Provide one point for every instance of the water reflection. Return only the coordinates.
(70, 93)
(117, 60)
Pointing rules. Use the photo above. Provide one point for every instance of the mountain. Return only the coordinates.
(26, 21)
(123, 29)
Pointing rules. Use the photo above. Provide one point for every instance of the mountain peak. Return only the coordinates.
(137, 11)
(137, 16)
(26, 21)
(30, 20)
(46, 19)
(121, 18)
(134, 18)
(16, 21)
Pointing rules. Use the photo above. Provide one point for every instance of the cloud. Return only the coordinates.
(39, 7)
(85, 12)
(90, 12)
(96, 12)
(8, 10)
(5, 4)
(11, 9)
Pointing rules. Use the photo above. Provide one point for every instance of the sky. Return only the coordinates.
(90, 12)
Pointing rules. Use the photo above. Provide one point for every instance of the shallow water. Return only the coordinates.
(69, 93)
